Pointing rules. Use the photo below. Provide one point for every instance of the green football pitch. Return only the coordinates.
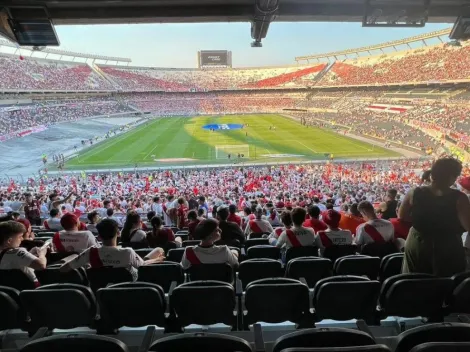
(184, 141)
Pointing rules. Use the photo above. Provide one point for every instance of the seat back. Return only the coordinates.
(331, 302)
(442, 347)
(460, 277)
(443, 332)
(264, 252)
(132, 304)
(379, 249)
(201, 342)
(297, 252)
(17, 279)
(325, 337)
(102, 277)
(11, 316)
(61, 306)
(218, 272)
(53, 275)
(312, 269)
(162, 274)
(76, 343)
(390, 266)
(255, 269)
(190, 302)
(460, 302)
(55, 257)
(276, 301)
(372, 348)
(358, 265)
(256, 242)
(337, 251)
(135, 245)
(142, 252)
(175, 255)
(191, 243)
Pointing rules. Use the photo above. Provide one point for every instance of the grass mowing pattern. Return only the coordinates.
(184, 138)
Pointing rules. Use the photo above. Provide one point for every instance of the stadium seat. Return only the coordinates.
(12, 315)
(102, 277)
(379, 249)
(257, 235)
(191, 243)
(17, 279)
(264, 251)
(175, 255)
(53, 275)
(442, 347)
(76, 343)
(429, 294)
(201, 342)
(135, 245)
(255, 269)
(345, 298)
(371, 348)
(162, 274)
(460, 299)
(218, 272)
(46, 233)
(312, 269)
(142, 252)
(335, 252)
(275, 301)
(204, 303)
(390, 266)
(443, 332)
(131, 304)
(61, 306)
(326, 337)
(460, 277)
(358, 265)
(256, 242)
(297, 252)
(56, 257)
(229, 243)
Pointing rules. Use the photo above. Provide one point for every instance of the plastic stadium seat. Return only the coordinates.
(256, 242)
(131, 304)
(264, 252)
(460, 277)
(57, 256)
(443, 332)
(390, 266)
(255, 269)
(358, 265)
(53, 275)
(62, 306)
(190, 302)
(201, 342)
(218, 272)
(142, 252)
(442, 347)
(328, 337)
(379, 249)
(76, 343)
(335, 252)
(102, 277)
(460, 300)
(372, 348)
(135, 245)
(175, 255)
(412, 295)
(162, 274)
(46, 233)
(230, 243)
(12, 316)
(257, 235)
(312, 269)
(17, 279)
(191, 243)
(297, 252)
(345, 298)
(276, 301)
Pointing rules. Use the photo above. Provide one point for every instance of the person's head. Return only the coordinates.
(200, 212)
(11, 234)
(106, 204)
(53, 197)
(316, 200)
(314, 212)
(232, 208)
(181, 201)
(27, 226)
(222, 213)
(156, 222)
(70, 222)
(133, 221)
(108, 230)
(444, 172)
(286, 218)
(259, 212)
(28, 197)
(156, 199)
(354, 210)
(202, 200)
(208, 231)
(247, 211)
(93, 217)
(15, 215)
(391, 194)
(329, 206)
(54, 213)
(298, 216)
(426, 177)
(192, 215)
(367, 210)
(332, 218)
(150, 215)
(109, 212)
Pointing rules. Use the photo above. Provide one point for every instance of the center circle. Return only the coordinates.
(223, 127)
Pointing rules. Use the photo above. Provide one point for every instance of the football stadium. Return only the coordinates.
(252, 201)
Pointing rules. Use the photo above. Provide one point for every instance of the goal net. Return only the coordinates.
(222, 151)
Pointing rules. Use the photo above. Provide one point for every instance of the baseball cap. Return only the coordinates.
(68, 221)
(25, 223)
(465, 182)
(332, 218)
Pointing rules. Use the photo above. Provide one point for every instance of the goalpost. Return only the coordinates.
(222, 151)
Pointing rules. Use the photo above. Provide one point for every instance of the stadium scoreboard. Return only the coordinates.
(214, 58)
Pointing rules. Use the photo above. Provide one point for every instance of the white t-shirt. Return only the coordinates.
(168, 205)
(138, 236)
(211, 255)
(305, 235)
(19, 258)
(384, 227)
(254, 225)
(54, 224)
(157, 208)
(76, 241)
(111, 257)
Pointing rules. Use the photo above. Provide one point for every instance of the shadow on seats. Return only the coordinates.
(76, 343)
(312, 269)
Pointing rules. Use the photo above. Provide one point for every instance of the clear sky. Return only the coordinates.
(176, 45)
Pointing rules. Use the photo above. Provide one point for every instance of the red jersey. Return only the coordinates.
(235, 218)
(402, 228)
(315, 224)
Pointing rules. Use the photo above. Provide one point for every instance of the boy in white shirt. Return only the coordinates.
(70, 239)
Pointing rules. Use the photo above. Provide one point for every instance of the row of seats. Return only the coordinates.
(431, 338)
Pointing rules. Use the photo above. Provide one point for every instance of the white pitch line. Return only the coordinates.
(313, 150)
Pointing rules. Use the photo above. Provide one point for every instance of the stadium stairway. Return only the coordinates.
(107, 78)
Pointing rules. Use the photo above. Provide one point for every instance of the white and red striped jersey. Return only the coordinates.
(298, 236)
(73, 241)
(258, 226)
(377, 230)
(208, 255)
